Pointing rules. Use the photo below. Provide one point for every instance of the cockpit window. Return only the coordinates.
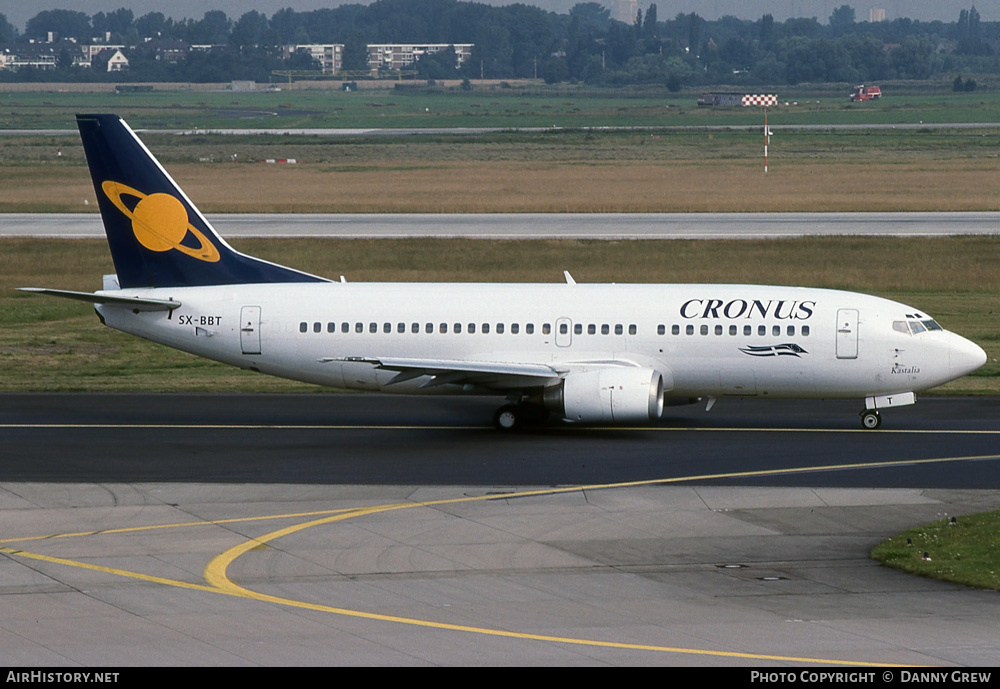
(916, 327)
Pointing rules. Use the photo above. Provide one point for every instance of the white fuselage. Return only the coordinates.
(705, 340)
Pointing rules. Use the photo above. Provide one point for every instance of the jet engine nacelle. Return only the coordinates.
(608, 395)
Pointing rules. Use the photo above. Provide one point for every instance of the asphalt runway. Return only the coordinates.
(380, 530)
(379, 439)
(543, 225)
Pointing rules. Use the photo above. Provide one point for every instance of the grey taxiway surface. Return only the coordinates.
(356, 529)
(544, 226)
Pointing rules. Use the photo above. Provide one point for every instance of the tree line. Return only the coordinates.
(519, 41)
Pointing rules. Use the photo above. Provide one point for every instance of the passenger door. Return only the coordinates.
(250, 329)
(847, 334)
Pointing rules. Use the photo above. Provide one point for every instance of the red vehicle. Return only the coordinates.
(865, 93)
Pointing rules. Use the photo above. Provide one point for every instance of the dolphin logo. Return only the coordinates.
(786, 349)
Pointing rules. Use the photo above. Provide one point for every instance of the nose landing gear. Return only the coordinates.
(871, 419)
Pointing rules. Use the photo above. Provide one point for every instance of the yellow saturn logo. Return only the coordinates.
(160, 222)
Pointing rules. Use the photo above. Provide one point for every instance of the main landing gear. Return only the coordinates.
(507, 417)
(513, 417)
(871, 419)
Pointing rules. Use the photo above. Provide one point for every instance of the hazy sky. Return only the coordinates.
(19, 11)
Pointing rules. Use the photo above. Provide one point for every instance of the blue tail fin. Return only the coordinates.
(157, 236)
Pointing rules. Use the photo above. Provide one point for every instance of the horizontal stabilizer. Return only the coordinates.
(136, 303)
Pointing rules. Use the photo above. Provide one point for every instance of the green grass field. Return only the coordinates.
(963, 551)
(562, 168)
(564, 171)
(534, 106)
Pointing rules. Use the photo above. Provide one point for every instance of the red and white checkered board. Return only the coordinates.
(764, 100)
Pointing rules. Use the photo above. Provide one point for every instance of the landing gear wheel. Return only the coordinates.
(507, 418)
(871, 419)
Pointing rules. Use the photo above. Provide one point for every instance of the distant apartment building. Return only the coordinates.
(388, 56)
(16, 57)
(111, 58)
(42, 55)
(330, 56)
(169, 50)
(399, 56)
(876, 14)
(107, 58)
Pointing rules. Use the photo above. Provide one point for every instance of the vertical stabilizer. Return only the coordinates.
(157, 236)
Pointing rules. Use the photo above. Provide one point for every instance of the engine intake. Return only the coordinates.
(609, 395)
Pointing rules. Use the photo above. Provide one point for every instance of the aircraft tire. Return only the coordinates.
(507, 418)
(871, 419)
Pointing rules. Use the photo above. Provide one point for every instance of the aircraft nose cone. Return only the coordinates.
(965, 357)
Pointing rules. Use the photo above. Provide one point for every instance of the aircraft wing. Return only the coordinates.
(136, 303)
(460, 372)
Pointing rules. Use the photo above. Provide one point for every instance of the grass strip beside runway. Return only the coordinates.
(963, 551)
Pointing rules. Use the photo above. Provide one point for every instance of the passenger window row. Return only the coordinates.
(733, 330)
(546, 329)
(471, 328)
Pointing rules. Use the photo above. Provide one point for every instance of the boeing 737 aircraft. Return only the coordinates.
(585, 352)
